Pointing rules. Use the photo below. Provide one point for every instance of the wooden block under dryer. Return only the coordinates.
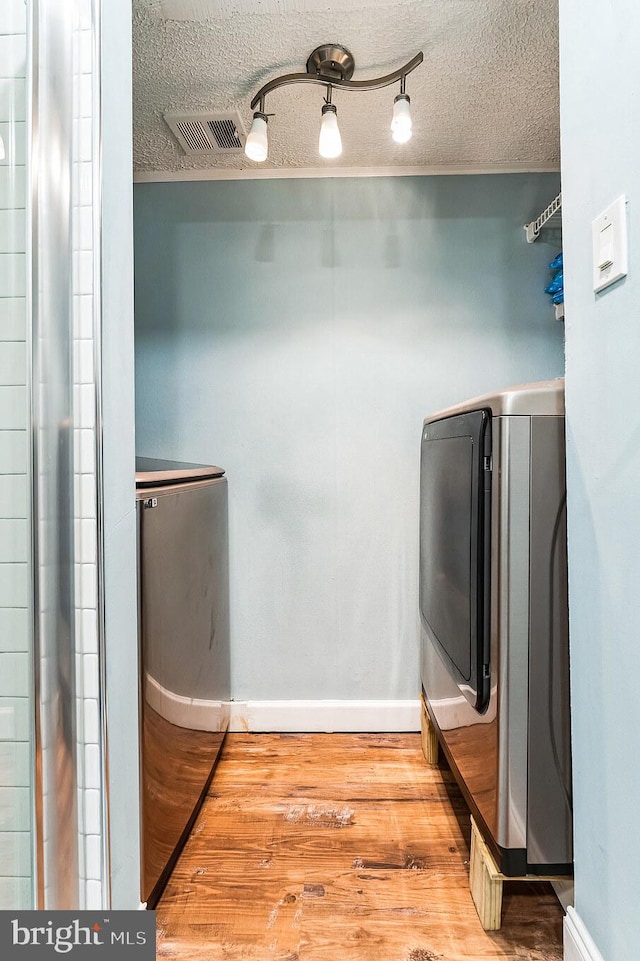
(428, 736)
(486, 881)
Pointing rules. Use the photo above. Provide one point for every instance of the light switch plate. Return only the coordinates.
(610, 255)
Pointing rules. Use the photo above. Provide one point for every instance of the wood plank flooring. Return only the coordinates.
(327, 847)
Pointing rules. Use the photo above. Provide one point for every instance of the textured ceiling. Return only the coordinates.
(485, 96)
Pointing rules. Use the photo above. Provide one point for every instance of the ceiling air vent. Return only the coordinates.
(202, 133)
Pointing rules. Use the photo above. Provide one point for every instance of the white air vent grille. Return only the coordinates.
(202, 133)
(225, 134)
(193, 134)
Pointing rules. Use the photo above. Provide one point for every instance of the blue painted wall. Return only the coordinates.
(600, 161)
(297, 332)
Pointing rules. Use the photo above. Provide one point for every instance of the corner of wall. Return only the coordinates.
(121, 647)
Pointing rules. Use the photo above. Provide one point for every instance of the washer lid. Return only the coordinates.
(153, 472)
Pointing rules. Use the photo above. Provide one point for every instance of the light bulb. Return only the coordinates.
(330, 143)
(401, 119)
(257, 145)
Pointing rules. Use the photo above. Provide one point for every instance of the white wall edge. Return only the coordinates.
(371, 717)
(311, 173)
(578, 943)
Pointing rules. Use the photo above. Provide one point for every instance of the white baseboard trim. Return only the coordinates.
(190, 712)
(578, 943)
(292, 717)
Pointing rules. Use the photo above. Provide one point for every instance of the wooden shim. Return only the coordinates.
(485, 882)
(428, 736)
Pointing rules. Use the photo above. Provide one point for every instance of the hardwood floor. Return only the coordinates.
(327, 847)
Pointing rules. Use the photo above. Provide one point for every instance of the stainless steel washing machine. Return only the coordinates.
(183, 594)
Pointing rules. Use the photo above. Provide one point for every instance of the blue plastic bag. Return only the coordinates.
(557, 283)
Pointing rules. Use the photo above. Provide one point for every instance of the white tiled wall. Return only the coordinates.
(84, 415)
(15, 652)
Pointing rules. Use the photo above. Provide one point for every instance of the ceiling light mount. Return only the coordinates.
(332, 66)
(375, 83)
(331, 60)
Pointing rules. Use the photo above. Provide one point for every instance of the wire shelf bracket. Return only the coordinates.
(549, 219)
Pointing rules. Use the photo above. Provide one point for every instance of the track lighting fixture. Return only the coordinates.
(257, 145)
(401, 119)
(330, 141)
(332, 66)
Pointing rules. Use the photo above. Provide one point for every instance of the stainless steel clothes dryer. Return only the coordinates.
(494, 617)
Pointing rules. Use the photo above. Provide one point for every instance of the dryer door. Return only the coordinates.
(455, 504)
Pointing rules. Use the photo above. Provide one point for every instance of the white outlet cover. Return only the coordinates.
(610, 252)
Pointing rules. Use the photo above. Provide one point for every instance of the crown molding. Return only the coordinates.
(315, 173)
